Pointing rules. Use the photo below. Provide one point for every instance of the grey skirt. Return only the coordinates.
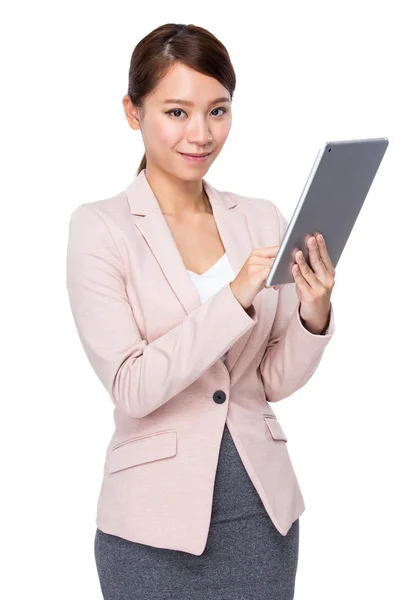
(246, 557)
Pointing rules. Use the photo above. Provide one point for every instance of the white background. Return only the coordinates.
(307, 72)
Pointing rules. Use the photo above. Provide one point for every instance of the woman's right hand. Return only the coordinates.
(251, 278)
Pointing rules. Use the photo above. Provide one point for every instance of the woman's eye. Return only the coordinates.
(179, 110)
(174, 110)
(221, 108)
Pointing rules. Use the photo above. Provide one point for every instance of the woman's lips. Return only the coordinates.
(197, 159)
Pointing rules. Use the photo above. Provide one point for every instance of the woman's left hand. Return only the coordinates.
(314, 286)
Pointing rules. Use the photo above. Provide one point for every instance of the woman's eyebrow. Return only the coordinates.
(188, 103)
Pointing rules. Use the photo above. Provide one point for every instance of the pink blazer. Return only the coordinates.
(156, 349)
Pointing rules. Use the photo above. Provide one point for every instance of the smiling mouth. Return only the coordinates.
(186, 154)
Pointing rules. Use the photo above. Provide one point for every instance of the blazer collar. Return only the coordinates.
(233, 230)
(143, 201)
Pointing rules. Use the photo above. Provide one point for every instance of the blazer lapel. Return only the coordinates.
(233, 230)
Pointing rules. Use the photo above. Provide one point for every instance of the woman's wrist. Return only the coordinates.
(312, 328)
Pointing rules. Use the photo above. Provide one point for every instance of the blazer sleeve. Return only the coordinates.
(293, 353)
(139, 376)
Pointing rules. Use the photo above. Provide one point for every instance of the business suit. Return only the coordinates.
(156, 350)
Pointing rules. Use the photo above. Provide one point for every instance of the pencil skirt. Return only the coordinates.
(246, 557)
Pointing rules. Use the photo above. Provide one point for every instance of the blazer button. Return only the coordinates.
(219, 397)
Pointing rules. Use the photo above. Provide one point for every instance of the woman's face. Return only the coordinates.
(198, 124)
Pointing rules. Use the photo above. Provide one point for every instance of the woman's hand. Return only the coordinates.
(314, 286)
(252, 276)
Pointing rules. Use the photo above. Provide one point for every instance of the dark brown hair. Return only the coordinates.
(159, 50)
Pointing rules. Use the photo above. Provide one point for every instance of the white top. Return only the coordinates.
(211, 281)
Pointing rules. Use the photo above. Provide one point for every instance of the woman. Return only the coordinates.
(167, 287)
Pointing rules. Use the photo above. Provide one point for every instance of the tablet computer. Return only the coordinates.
(330, 203)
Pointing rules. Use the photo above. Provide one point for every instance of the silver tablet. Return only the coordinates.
(330, 203)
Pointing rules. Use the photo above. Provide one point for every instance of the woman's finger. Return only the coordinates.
(325, 255)
(299, 279)
(307, 273)
(316, 261)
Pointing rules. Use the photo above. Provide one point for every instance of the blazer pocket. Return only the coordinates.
(275, 428)
(143, 449)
